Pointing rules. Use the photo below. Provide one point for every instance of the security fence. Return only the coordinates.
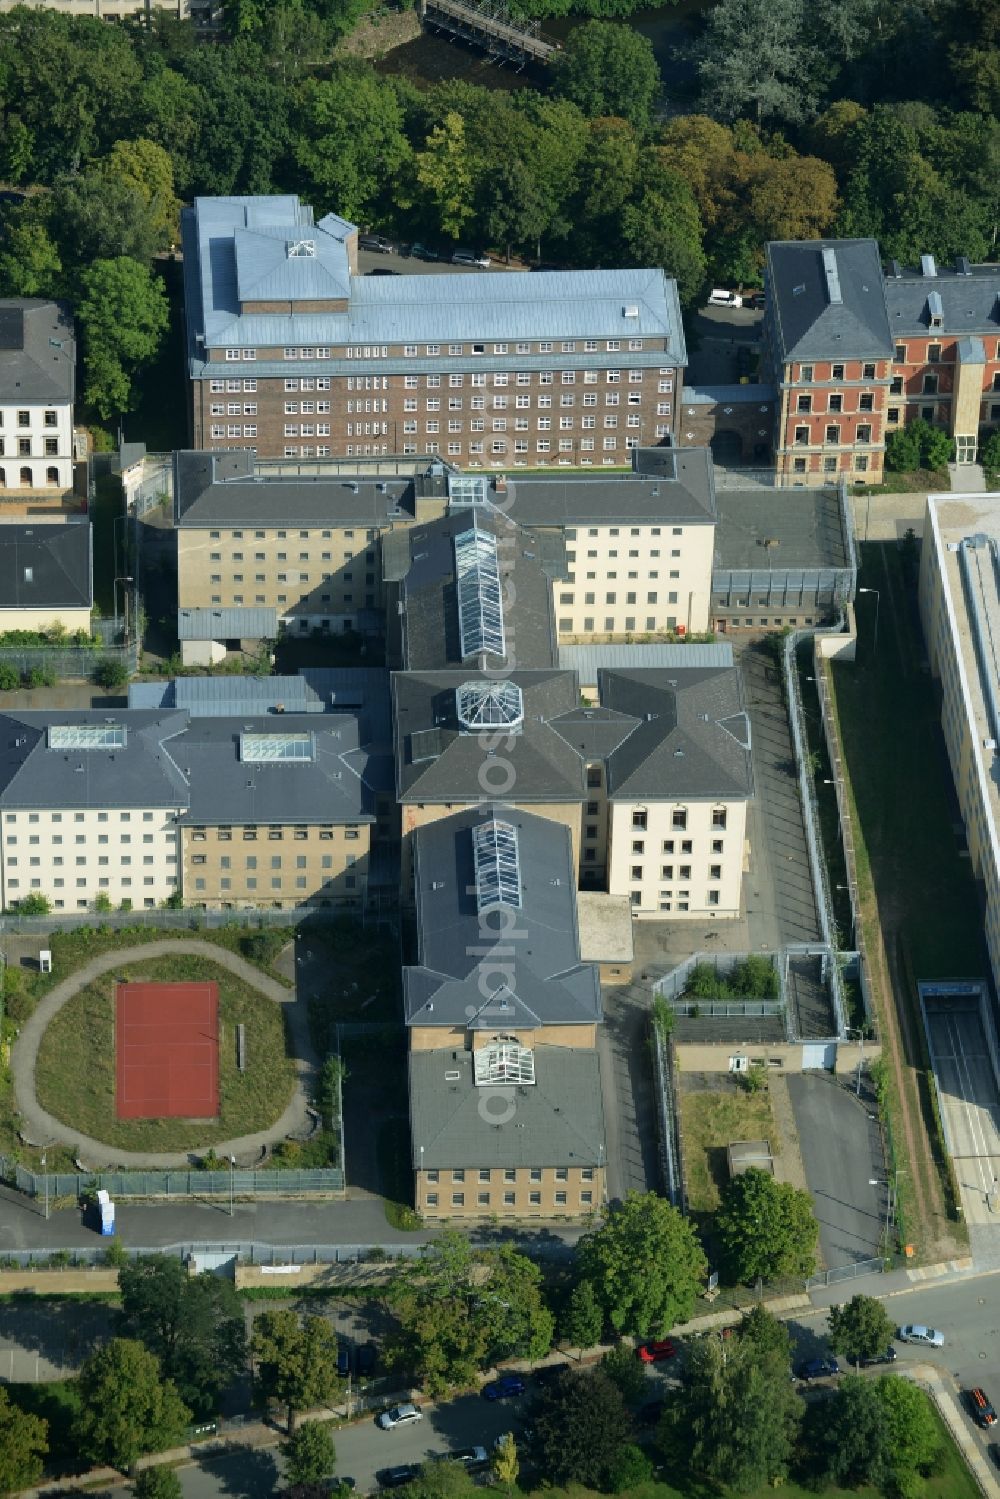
(668, 1119)
(243, 1252)
(263, 1182)
(191, 918)
(72, 662)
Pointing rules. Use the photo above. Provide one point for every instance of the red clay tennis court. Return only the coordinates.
(167, 1051)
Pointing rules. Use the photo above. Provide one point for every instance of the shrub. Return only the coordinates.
(918, 445)
(35, 904)
(989, 453)
(10, 678)
(102, 901)
(262, 947)
(41, 676)
(110, 674)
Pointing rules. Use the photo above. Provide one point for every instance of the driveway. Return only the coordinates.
(842, 1155)
(628, 1094)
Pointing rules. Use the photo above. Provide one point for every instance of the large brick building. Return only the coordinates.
(292, 353)
(855, 353)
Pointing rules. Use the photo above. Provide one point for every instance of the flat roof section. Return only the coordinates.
(806, 527)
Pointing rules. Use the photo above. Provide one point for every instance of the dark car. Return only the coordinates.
(381, 270)
(504, 1387)
(755, 300)
(423, 252)
(343, 1360)
(818, 1368)
(473, 1459)
(548, 1373)
(394, 1478)
(376, 242)
(888, 1357)
(366, 1358)
(982, 1410)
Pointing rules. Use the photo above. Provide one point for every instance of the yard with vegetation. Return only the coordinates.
(711, 1120)
(75, 1072)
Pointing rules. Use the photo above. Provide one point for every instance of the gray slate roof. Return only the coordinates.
(235, 250)
(808, 525)
(586, 660)
(429, 600)
(250, 623)
(143, 773)
(46, 566)
(559, 1121)
(226, 790)
(668, 484)
(807, 324)
(533, 980)
(33, 369)
(229, 489)
(460, 766)
(665, 735)
(969, 304)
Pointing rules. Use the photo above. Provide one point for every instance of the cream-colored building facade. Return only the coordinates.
(960, 613)
(635, 580)
(75, 856)
(680, 859)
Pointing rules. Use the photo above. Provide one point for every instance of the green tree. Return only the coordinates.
(109, 673)
(349, 140)
(123, 315)
(126, 1407)
(645, 1264)
(989, 453)
(609, 70)
(580, 1425)
(35, 904)
(736, 1415)
(24, 1443)
(937, 449)
(29, 261)
(902, 450)
(444, 174)
(626, 1372)
(768, 1337)
(663, 227)
(310, 1455)
(913, 1436)
(441, 1480)
(755, 60)
(766, 1228)
(506, 1464)
(582, 1321)
(861, 1328)
(193, 1324)
(10, 677)
(157, 1483)
(295, 1361)
(146, 168)
(629, 1469)
(849, 1436)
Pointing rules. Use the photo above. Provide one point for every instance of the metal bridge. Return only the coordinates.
(491, 26)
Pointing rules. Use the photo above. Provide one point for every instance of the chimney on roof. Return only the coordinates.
(832, 275)
(895, 270)
(928, 265)
(962, 266)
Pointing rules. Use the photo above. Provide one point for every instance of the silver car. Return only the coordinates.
(913, 1332)
(399, 1415)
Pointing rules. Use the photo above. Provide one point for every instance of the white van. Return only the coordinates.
(721, 298)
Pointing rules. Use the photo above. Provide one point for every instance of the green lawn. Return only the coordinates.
(711, 1121)
(75, 1073)
(363, 978)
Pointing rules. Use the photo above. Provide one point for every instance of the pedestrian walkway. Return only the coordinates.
(37, 1126)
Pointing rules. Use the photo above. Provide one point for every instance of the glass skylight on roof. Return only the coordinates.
(498, 868)
(480, 607)
(86, 736)
(466, 489)
(273, 749)
(504, 1061)
(489, 705)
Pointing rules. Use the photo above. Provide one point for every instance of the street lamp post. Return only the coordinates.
(45, 1173)
(232, 1184)
(877, 602)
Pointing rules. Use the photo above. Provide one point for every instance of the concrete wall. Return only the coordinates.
(41, 619)
(715, 1057)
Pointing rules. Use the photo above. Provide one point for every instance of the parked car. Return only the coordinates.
(394, 1478)
(818, 1368)
(656, 1351)
(381, 270)
(888, 1357)
(756, 301)
(423, 252)
(504, 1387)
(474, 1459)
(982, 1411)
(399, 1415)
(914, 1332)
(366, 1358)
(548, 1373)
(719, 297)
(376, 242)
(343, 1359)
(469, 257)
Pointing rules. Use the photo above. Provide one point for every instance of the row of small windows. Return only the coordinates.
(509, 1174)
(32, 817)
(26, 477)
(485, 1199)
(410, 351)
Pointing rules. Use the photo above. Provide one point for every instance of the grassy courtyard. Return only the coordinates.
(712, 1120)
(75, 1074)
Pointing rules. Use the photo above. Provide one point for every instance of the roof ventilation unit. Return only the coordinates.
(631, 309)
(962, 266)
(928, 265)
(895, 270)
(832, 276)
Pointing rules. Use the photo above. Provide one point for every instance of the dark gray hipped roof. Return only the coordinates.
(141, 773)
(558, 1121)
(46, 566)
(511, 968)
(447, 764)
(429, 598)
(37, 352)
(231, 489)
(361, 690)
(967, 303)
(809, 322)
(666, 734)
(228, 790)
(668, 484)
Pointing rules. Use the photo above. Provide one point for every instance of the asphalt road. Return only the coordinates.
(842, 1155)
(968, 1091)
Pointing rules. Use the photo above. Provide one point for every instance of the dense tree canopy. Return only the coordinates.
(875, 1431)
(580, 1423)
(766, 1228)
(608, 70)
(24, 1442)
(645, 1264)
(861, 1328)
(126, 1406)
(295, 1360)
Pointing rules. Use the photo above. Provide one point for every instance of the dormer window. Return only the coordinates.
(935, 310)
